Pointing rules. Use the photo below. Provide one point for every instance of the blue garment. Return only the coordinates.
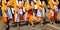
(0, 13)
(0, 3)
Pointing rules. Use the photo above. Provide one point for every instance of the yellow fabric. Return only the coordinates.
(15, 6)
(4, 18)
(57, 2)
(32, 7)
(39, 18)
(20, 6)
(44, 4)
(30, 16)
(51, 4)
(11, 2)
(27, 6)
(38, 5)
(4, 5)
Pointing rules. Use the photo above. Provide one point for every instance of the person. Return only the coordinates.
(27, 8)
(53, 11)
(29, 12)
(4, 14)
(20, 9)
(41, 11)
(56, 3)
(35, 10)
(16, 15)
(10, 11)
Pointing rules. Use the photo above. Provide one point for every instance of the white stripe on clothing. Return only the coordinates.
(39, 13)
(26, 16)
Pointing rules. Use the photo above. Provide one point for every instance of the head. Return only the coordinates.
(19, 0)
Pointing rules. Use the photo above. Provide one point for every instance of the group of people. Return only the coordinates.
(18, 10)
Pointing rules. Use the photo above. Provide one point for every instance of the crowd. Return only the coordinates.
(18, 10)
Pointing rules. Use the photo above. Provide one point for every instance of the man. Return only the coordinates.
(29, 12)
(10, 11)
(53, 11)
(41, 11)
(4, 14)
(16, 15)
(20, 9)
(56, 3)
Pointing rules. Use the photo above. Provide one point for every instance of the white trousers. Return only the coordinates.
(26, 16)
(9, 15)
(20, 11)
(17, 18)
(41, 13)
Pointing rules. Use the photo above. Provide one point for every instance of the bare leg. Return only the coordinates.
(41, 23)
(18, 25)
(33, 24)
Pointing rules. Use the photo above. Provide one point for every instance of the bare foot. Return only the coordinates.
(50, 22)
(41, 25)
(18, 27)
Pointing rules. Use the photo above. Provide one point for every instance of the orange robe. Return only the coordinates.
(29, 8)
(4, 9)
(30, 13)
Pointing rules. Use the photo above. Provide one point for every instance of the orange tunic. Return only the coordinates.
(30, 16)
(30, 13)
(4, 18)
(29, 9)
